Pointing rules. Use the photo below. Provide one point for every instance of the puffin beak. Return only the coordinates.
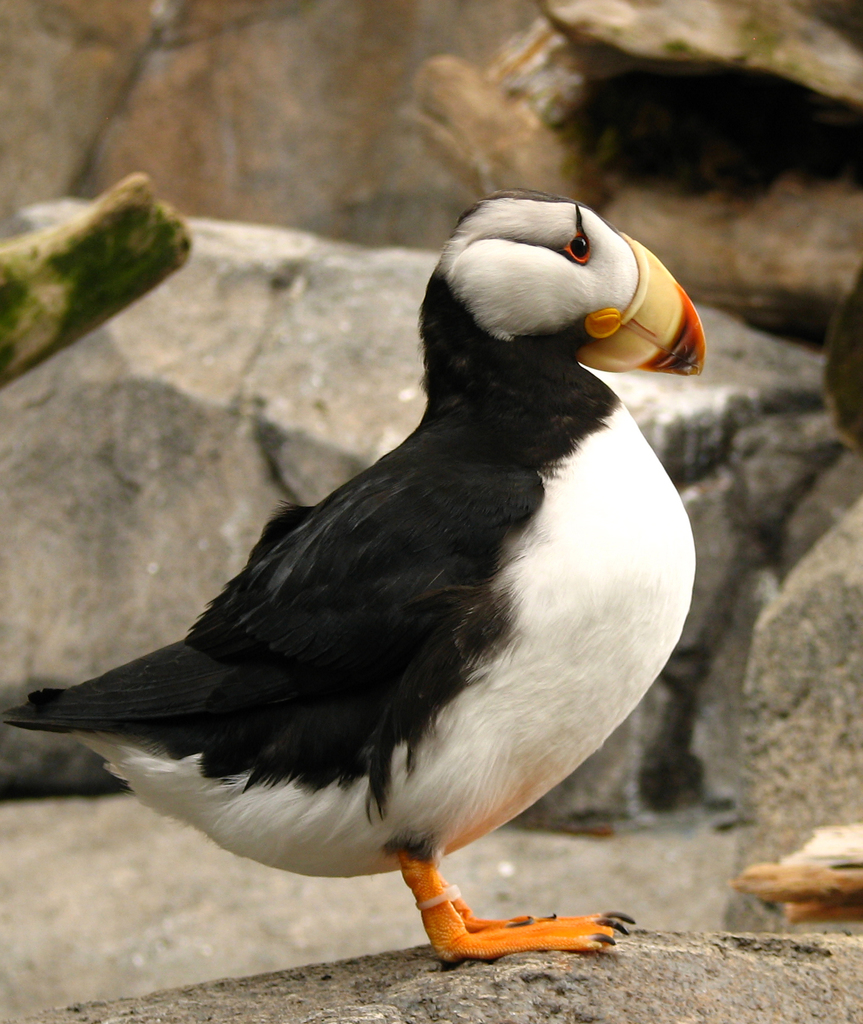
(659, 330)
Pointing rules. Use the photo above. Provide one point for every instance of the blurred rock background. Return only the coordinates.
(137, 467)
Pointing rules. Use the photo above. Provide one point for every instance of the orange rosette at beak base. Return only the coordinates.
(659, 330)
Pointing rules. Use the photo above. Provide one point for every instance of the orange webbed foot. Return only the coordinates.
(457, 935)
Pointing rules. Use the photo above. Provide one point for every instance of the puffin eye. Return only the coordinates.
(578, 249)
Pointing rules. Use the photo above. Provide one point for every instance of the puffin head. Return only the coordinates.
(525, 263)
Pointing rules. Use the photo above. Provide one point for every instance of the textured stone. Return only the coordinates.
(300, 114)
(777, 460)
(814, 42)
(835, 491)
(65, 65)
(803, 733)
(489, 140)
(658, 978)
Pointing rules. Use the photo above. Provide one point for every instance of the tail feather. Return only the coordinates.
(173, 681)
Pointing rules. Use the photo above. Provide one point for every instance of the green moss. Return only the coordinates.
(757, 40)
(678, 46)
(109, 268)
(13, 299)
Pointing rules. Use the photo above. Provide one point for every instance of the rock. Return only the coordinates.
(299, 114)
(783, 260)
(137, 467)
(489, 140)
(835, 491)
(803, 733)
(811, 42)
(777, 461)
(65, 67)
(652, 977)
(265, 110)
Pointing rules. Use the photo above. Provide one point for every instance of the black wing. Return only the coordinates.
(334, 599)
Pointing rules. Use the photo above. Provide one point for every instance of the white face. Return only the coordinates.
(505, 263)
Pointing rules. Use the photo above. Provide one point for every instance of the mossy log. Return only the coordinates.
(60, 283)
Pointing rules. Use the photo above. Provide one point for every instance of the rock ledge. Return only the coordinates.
(650, 978)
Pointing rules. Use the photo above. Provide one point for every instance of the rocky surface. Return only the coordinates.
(489, 140)
(655, 978)
(262, 110)
(66, 64)
(102, 898)
(803, 733)
(813, 42)
(137, 467)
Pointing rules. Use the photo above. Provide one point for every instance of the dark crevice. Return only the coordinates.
(671, 775)
(733, 131)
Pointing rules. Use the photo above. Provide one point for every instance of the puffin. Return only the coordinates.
(415, 660)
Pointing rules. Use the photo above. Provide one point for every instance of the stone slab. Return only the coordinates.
(802, 729)
(659, 978)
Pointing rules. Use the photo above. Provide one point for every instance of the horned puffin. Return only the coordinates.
(419, 657)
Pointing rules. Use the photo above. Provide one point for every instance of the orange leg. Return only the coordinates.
(457, 935)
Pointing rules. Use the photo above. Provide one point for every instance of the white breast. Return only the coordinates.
(599, 584)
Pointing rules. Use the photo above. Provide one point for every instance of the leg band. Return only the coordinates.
(452, 892)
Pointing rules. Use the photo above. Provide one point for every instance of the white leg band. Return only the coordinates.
(452, 892)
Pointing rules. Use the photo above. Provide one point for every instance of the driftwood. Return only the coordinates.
(60, 283)
(821, 882)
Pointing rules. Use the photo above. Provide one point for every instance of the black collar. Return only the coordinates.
(530, 393)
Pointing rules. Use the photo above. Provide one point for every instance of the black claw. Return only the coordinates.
(601, 937)
(619, 916)
(610, 922)
(549, 917)
(520, 924)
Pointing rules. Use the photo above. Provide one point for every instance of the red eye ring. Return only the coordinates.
(578, 249)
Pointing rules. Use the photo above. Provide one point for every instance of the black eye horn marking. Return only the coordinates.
(578, 250)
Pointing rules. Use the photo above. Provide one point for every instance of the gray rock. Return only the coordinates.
(137, 468)
(776, 462)
(811, 42)
(65, 68)
(835, 491)
(298, 114)
(803, 732)
(252, 110)
(656, 978)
